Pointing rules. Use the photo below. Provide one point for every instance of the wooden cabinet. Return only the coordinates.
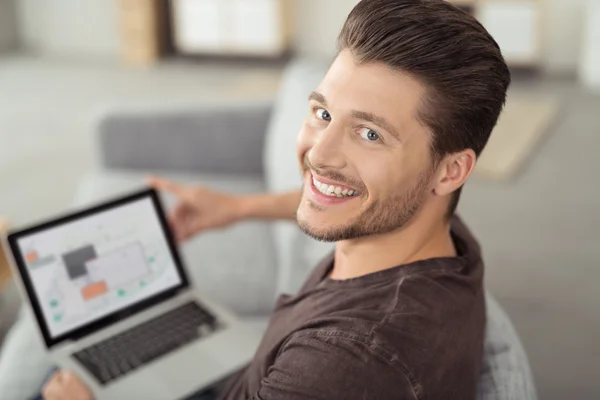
(5, 273)
(140, 31)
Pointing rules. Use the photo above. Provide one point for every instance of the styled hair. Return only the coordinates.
(450, 53)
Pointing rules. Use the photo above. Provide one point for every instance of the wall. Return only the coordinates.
(590, 67)
(89, 28)
(562, 34)
(8, 26)
(318, 23)
(70, 27)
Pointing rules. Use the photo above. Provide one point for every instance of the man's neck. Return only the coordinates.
(420, 240)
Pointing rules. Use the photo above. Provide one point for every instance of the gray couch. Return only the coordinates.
(239, 148)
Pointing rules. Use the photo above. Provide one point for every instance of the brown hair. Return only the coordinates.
(447, 50)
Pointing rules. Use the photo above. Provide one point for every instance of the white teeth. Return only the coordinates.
(332, 190)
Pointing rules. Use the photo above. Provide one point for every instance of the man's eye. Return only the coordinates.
(323, 114)
(369, 134)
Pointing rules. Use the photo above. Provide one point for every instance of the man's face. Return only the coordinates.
(365, 157)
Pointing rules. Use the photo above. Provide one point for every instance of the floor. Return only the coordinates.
(540, 234)
(540, 231)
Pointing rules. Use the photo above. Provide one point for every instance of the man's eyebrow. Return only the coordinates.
(367, 116)
(318, 97)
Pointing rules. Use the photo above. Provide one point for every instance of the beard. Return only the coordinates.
(382, 216)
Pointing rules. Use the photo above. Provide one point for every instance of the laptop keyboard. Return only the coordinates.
(123, 353)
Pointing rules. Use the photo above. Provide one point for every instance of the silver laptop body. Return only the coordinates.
(113, 303)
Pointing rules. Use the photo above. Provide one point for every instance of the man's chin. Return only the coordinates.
(322, 235)
(322, 231)
(323, 224)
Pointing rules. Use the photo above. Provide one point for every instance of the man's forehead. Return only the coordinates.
(377, 76)
(373, 88)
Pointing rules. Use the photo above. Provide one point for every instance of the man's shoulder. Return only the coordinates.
(341, 344)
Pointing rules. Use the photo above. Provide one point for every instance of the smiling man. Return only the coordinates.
(392, 134)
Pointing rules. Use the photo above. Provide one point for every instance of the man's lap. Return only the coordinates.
(24, 362)
(25, 365)
(209, 394)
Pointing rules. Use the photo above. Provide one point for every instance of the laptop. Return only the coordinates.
(114, 304)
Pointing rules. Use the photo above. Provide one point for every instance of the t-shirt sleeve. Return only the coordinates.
(332, 367)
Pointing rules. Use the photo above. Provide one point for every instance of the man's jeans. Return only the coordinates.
(209, 394)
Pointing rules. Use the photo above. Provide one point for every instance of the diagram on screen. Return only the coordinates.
(112, 271)
(84, 271)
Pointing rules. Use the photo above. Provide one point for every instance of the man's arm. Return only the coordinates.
(333, 367)
(270, 206)
(199, 208)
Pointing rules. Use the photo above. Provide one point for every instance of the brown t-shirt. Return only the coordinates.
(410, 332)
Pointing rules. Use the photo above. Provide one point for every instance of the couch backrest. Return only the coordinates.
(296, 253)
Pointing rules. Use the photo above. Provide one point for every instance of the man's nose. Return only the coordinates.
(327, 149)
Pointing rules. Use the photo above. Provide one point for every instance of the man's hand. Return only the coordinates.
(198, 208)
(64, 385)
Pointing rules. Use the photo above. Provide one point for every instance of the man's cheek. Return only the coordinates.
(303, 145)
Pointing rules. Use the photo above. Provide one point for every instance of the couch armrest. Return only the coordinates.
(209, 138)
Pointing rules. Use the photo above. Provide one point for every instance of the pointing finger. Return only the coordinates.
(165, 185)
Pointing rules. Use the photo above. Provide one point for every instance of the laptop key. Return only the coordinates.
(114, 369)
(144, 343)
(124, 366)
(135, 362)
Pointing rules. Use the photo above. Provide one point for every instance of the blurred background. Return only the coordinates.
(65, 64)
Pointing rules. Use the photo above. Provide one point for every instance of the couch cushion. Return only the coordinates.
(297, 254)
(24, 363)
(235, 266)
(505, 373)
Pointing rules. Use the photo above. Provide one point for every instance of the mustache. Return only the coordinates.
(333, 175)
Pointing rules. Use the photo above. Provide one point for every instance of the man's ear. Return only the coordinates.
(453, 171)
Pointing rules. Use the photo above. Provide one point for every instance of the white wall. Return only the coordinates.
(70, 27)
(8, 25)
(589, 69)
(562, 33)
(90, 28)
(317, 24)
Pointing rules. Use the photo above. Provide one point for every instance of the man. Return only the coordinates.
(392, 134)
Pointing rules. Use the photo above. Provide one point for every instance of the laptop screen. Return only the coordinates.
(99, 264)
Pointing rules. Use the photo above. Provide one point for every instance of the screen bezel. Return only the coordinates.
(103, 322)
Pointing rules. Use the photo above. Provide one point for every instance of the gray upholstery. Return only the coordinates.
(505, 373)
(23, 361)
(209, 139)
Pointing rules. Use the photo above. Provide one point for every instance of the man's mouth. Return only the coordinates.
(333, 190)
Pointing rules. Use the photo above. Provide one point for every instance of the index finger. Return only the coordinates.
(166, 185)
